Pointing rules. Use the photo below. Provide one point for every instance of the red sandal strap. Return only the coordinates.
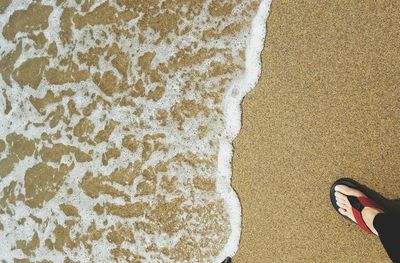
(366, 202)
(360, 221)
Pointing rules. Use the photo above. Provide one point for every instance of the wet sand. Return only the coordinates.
(327, 106)
(111, 117)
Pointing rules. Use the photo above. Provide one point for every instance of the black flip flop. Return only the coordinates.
(357, 203)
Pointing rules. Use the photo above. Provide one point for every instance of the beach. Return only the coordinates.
(326, 106)
(124, 137)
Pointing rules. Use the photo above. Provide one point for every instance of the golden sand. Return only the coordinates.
(327, 106)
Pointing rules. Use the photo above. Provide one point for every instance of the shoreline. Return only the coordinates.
(232, 113)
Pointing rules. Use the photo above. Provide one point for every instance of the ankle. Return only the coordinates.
(369, 215)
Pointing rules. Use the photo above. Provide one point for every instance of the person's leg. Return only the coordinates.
(383, 224)
(388, 228)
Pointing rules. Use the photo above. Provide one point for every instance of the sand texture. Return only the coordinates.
(327, 106)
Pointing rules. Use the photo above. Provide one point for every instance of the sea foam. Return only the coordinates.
(116, 127)
(232, 111)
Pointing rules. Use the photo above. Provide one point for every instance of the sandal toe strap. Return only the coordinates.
(358, 204)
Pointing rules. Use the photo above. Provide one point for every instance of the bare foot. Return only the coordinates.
(368, 213)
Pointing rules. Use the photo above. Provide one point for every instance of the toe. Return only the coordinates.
(341, 204)
(347, 214)
(346, 190)
(343, 211)
(340, 196)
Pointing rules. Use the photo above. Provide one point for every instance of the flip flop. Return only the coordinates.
(357, 203)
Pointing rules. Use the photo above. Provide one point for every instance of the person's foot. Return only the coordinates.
(368, 213)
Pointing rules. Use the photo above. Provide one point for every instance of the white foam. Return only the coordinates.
(232, 113)
(178, 142)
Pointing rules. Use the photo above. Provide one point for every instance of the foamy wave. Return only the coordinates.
(232, 112)
(117, 122)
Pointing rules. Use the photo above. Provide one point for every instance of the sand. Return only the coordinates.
(327, 106)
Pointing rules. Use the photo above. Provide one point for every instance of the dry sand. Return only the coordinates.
(327, 106)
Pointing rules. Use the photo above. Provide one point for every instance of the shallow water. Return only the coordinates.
(112, 118)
